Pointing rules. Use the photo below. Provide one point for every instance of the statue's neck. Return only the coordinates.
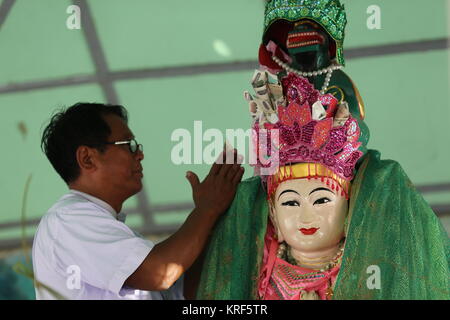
(315, 259)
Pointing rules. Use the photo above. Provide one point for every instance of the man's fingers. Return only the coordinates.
(230, 156)
(240, 159)
(227, 165)
(233, 170)
(238, 176)
(193, 179)
(225, 169)
(215, 168)
(217, 165)
(233, 157)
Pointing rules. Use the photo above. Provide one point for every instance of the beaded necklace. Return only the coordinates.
(286, 255)
(329, 71)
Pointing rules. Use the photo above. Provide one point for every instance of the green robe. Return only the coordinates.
(389, 225)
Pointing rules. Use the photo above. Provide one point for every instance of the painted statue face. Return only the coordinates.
(308, 45)
(306, 36)
(308, 214)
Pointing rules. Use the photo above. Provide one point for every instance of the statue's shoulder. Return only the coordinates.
(344, 78)
(249, 187)
(386, 169)
(375, 156)
(250, 195)
(251, 181)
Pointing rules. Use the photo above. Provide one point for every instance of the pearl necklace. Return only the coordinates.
(333, 262)
(329, 71)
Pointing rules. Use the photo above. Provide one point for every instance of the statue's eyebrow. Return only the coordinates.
(318, 189)
(288, 190)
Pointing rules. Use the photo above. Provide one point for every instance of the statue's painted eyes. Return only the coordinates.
(292, 203)
(322, 201)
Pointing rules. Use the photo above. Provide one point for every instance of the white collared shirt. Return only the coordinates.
(81, 251)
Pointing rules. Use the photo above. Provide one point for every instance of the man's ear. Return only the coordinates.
(86, 158)
(273, 218)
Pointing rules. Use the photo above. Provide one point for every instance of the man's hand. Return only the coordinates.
(216, 192)
(169, 259)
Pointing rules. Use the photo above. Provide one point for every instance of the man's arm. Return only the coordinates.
(193, 275)
(169, 259)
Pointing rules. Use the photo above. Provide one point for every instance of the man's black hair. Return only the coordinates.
(82, 124)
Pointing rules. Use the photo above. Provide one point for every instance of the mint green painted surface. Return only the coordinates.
(35, 43)
(177, 33)
(401, 21)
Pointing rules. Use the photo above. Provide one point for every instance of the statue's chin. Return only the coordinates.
(315, 245)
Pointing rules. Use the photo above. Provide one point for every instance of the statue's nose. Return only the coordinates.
(307, 215)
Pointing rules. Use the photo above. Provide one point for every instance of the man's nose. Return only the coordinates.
(140, 155)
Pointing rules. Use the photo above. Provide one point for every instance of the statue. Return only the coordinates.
(331, 220)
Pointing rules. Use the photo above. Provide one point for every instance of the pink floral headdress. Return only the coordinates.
(312, 128)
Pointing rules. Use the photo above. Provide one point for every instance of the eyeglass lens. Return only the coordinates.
(134, 146)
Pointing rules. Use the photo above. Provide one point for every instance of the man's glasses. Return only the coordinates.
(132, 145)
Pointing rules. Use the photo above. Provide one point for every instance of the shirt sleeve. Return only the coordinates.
(105, 251)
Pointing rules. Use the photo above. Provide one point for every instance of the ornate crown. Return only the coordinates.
(330, 14)
(312, 128)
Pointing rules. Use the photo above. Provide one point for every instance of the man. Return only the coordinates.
(81, 250)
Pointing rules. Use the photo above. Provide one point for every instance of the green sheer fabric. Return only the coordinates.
(389, 225)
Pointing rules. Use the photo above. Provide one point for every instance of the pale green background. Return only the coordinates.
(406, 95)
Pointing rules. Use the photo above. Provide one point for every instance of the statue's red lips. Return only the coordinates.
(309, 231)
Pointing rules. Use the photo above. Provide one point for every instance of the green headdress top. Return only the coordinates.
(330, 14)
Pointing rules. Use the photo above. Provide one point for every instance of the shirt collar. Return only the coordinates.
(119, 216)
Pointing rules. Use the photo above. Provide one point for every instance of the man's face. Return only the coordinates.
(119, 169)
